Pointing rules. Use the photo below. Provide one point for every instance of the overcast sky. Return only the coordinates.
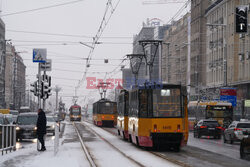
(82, 18)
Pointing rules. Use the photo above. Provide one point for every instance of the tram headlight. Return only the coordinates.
(35, 128)
(17, 128)
(155, 128)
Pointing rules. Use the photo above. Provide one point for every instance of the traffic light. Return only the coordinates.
(46, 87)
(42, 90)
(34, 88)
(241, 19)
(46, 90)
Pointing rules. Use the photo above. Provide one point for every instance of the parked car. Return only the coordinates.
(14, 114)
(236, 131)
(51, 124)
(208, 128)
(3, 120)
(9, 117)
(26, 126)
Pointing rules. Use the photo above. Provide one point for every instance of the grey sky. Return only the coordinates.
(81, 18)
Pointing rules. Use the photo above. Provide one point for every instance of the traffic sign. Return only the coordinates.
(247, 103)
(47, 66)
(39, 55)
(230, 99)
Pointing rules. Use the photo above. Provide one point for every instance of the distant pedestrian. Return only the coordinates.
(41, 128)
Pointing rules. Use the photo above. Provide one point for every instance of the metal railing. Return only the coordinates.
(7, 138)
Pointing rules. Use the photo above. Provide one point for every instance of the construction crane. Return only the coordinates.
(162, 2)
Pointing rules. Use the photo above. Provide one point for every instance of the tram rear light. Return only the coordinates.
(155, 128)
(202, 127)
(178, 128)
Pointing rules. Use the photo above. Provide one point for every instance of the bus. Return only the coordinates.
(105, 113)
(75, 113)
(217, 110)
(158, 116)
(122, 111)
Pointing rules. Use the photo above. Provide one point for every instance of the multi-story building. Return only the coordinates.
(9, 73)
(228, 53)
(19, 81)
(146, 33)
(150, 32)
(198, 46)
(176, 52)
(2, 64)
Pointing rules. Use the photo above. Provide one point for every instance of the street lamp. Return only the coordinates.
(135, 64)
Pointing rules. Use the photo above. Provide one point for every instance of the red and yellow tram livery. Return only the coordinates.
(158, 116)
(105, 113)
(75, 113)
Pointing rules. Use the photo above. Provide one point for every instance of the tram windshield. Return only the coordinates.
(166, 103)
(107, 108)
(75, 111)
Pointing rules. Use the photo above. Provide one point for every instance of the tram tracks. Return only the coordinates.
(110, 131)
(86, 151)
(114, 147)
(155, 153)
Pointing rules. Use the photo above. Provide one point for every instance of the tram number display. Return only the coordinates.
(167, 127)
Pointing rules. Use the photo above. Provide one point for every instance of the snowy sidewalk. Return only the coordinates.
(70, 153)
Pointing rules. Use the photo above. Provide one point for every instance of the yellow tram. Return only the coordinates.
(158, 116)
(122, 119)
(104, 113)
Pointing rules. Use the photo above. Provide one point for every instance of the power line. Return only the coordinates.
(64, 35)
(41, 8)
(105, 20)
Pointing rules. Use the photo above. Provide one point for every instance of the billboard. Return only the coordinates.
(229, 95)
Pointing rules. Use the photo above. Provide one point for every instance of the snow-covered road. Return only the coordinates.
(107, 149)
(116, 152)
(203, 152)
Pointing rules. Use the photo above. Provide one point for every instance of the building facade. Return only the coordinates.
(228, 53)
(151, 51)
(198, 46)
(176, 52)
(19, 81)
(9, 73)
(2, 64)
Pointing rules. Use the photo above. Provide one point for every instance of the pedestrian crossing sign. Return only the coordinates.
(39, 55)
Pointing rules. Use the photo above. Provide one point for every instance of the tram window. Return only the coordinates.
(167, 104)
(107, 108)
(165, 92)
(143, 103)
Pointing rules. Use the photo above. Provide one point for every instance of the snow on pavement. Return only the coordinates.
(70, 154)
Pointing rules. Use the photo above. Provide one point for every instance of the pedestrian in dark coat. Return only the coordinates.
(41, 127)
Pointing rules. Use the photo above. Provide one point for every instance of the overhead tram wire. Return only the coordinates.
(66, 35)
(99, 33)
(41, 8)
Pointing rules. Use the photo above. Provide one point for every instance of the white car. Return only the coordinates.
(237, 131)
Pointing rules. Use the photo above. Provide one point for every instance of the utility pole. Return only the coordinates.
(39, 85)
(57, 89)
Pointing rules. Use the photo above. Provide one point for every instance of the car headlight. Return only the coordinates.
(53, 126)
(35, 128)
(17, 128)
